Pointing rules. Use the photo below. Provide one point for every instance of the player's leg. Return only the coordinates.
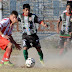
(24, 41)
(3, 44)
(3, 59)
(8, 51)
(40, 53)
(69, 43)
(8, 54)
(26, 45)
(37, 45)
(63, 46)
(25, 53)
(61, 43)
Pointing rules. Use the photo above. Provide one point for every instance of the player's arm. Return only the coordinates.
(37, 20)
(1, 33)
(19, 20)
(43, 24)
(5, 36)
(58, 24)
(14, 42)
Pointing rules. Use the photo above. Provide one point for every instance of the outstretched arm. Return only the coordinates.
(13, 41)
(37, 20)
(58, 25)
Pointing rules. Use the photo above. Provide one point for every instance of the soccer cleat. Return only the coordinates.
(8, 63)
(42, 62)
(1, 65)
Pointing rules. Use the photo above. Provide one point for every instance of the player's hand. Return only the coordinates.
(18, 46)
(45, 25)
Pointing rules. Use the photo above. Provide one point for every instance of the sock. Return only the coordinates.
(2, 62)
(4, 56)
(25, 53)
(8, 53)
(41, 55)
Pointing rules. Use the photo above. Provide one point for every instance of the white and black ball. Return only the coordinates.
(30, 62)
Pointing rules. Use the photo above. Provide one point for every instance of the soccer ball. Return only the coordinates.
(30, 62)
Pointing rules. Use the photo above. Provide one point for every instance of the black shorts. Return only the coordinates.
(31, 41)
(62, 40)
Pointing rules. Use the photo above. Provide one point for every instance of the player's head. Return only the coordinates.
(13, 16)
(68, 8)
(70, 2)
(26, 9)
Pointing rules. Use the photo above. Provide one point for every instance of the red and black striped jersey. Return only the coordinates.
(5, 26)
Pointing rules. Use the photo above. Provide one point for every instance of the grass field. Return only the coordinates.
(34, 70)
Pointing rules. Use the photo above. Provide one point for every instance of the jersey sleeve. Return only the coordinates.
(0, 25)
(60, 18)
(37, 20)
(3, 22)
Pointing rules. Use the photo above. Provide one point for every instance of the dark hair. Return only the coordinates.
(15, 13)
(68, 4)
(26, 6)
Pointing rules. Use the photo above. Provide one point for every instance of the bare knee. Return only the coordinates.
(25, 48)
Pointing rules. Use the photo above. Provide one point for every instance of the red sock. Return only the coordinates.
(61, 51)
(3, 59)
(8, 53)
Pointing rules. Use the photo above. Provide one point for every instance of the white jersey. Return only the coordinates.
(5, 26)
(29, 25)
(66, 23)
(64, 11)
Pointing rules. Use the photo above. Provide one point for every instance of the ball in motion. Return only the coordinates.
(30, 62)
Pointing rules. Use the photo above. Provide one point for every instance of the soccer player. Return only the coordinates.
(29, 36)
(66, 28)
(6, 40)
